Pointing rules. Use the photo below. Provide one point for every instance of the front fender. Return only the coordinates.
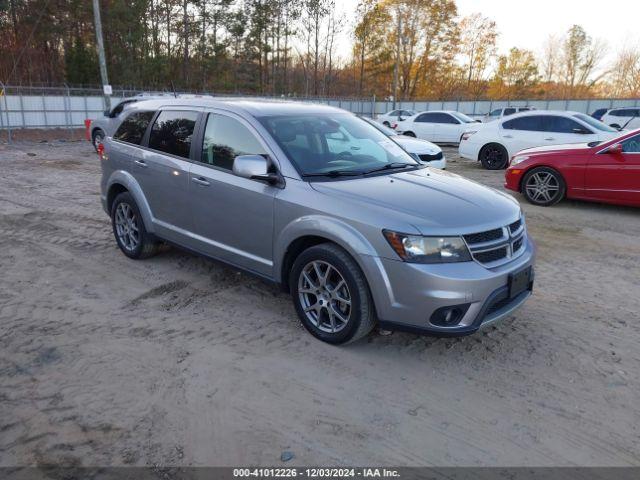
(128, 181)
(333, 229)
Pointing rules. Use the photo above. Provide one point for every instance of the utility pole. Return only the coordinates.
(396, 70)
(106, 88)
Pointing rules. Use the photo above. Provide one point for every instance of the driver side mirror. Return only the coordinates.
(616, 149)
(255, 167)
(582, 131)
(107, 113)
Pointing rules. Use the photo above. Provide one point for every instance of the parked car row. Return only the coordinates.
(551, 155)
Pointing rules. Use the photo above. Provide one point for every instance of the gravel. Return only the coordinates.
(178, 360)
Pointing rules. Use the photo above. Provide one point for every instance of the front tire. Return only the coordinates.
(494, 157)
(410, 134)
(128, 228)
(543, 186)
(331, 295)
(386, 124)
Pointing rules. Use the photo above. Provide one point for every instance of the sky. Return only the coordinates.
(528, 23)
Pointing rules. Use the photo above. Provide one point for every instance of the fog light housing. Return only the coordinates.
(449, 316)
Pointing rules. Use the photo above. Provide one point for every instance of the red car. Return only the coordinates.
(607, 172)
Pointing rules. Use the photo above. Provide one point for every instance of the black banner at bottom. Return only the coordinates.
(402, 473)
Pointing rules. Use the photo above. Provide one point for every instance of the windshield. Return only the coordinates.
(597, 124)
(463, 118)
(335, 144)
(378, 126)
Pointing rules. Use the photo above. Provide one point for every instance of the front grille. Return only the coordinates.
(491, 255)
(484, 236)
(498, 246)
(517, 245)
(431, 158)
(515, 226)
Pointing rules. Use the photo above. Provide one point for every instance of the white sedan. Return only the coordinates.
(427, 152)
(444, 126)
(493, 144)
(394, 116)
(627, 118)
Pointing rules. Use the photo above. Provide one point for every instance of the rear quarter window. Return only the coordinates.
(133, 128)
(172, 132)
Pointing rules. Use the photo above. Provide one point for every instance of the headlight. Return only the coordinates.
(518, 159)
(419, 249)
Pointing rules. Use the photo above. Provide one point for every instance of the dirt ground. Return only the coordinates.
(178, 360)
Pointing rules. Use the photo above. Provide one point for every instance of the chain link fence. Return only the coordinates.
(29, 107)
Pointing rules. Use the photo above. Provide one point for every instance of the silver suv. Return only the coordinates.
(319, 201)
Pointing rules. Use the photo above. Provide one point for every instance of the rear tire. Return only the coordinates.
(331, 295)
(494, 157)
(97, 138)
(128, 228)
(410, 134)
(386, 124)
(543, 186)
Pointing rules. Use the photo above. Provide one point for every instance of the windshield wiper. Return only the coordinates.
(390, 166)
(334, 173)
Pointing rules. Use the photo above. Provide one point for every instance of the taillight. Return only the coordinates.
(101, 151)
(466, 135)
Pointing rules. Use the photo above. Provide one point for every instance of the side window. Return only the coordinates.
(224, 139)
(393, 114)
(533, 123)
(509, 111)
(562, 125)
(496, 112)
(427, 118)
(444, 118)
(631, 145)
(172, 131)
(132, 129)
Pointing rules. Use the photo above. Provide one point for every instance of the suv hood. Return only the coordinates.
(435, 202)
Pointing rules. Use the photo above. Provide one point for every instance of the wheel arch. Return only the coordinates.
(314, 230)
(121, 181)
(94, 130)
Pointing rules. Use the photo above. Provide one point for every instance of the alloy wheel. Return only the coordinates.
(494, 158)
(542, 187)
(127, 227)
(324, 296)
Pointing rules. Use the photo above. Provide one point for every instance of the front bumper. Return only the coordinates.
(512, 178)
(406, 295)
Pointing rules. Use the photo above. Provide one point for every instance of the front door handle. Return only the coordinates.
(142, 163)
(550, 139)
(200, 181)
(508, 136)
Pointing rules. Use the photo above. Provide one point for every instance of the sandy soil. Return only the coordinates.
(178, 360)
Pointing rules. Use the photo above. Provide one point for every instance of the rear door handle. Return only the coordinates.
(508, 136)
(550, 139)
(142, 163)
(200, 181)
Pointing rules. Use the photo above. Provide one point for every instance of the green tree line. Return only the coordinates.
(292, 47)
